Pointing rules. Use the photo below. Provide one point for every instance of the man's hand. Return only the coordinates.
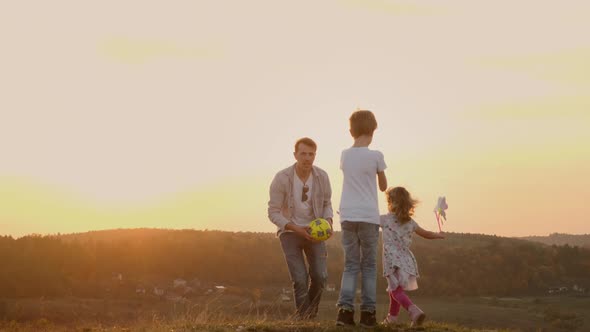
(331, 222)
(300, 230)
(331, 225)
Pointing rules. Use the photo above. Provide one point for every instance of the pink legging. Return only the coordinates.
(398, 298)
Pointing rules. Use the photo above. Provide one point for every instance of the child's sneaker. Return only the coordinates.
(345, 317)
(390, 320)
(368, 319)
(416, 315)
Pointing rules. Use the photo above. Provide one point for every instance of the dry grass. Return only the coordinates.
(226, 326)
(234, 314)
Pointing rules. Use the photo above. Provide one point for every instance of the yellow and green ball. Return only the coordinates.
(320, 229)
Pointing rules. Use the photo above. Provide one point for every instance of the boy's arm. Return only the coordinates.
(428, 234)
(382, 180)
(381, 166)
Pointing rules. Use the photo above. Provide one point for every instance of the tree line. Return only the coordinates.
(580, 240)
(83, 264)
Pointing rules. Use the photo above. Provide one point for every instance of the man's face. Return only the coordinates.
(305, 156)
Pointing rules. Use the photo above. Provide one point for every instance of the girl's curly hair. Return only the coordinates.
(401, 203)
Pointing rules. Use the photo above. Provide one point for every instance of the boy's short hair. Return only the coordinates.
(307, 141)
(362, 122)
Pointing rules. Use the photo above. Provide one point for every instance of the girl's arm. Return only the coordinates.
(428, 234)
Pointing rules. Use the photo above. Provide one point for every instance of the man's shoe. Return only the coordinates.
(368, 319)
(345, 317)
(416, 315)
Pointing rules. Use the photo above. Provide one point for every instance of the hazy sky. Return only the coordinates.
(177, 114)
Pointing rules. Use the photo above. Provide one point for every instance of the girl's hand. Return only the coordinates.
(428, 234)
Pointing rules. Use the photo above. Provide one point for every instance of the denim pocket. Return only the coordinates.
(348, 226)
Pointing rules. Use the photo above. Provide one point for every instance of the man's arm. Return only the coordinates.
(382, 180)
(328, 213)
(299, 230)
(277, 195)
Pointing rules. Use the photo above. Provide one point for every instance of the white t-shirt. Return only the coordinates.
(303, 212)
(359, 166)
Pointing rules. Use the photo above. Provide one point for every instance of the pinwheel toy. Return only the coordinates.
(439, 211)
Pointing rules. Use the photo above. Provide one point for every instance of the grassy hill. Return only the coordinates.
(229, 313)
(89, 281)
(261, 326)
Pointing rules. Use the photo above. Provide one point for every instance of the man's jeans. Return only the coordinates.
(307, 294)
(359, 240)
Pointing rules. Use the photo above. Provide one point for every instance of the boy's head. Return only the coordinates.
(362, 122)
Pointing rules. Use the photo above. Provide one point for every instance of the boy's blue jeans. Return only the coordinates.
(359, 240)
(307, 288)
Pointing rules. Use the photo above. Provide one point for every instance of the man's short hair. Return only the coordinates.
(307, 141)
(362, 122)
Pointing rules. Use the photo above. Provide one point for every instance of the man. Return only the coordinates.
(298, 195)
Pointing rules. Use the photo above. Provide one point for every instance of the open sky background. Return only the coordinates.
(177, 114)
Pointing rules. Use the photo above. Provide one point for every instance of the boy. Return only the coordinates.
(359, 216)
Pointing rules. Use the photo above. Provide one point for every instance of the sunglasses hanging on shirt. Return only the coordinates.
(304, 193)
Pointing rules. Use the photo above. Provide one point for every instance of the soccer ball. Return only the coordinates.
(320, 229)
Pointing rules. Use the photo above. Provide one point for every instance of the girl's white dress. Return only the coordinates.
(399, 264)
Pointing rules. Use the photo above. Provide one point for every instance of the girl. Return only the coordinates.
(399, 265)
